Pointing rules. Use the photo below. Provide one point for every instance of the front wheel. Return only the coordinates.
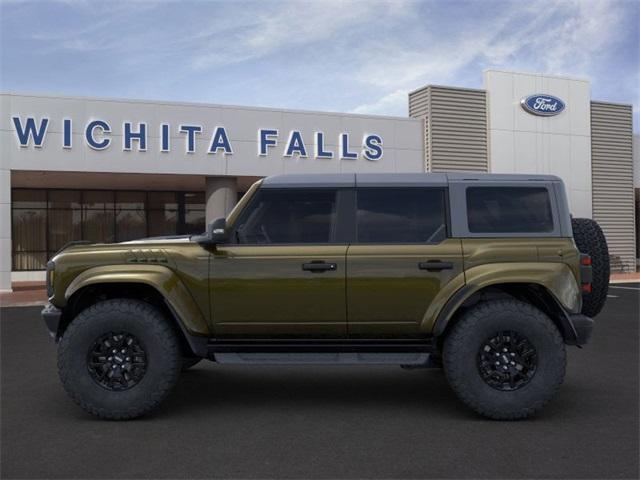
(119, 359)
(505, 359)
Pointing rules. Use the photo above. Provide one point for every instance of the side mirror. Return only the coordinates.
(216, 233)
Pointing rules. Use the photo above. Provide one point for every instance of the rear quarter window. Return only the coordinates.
(509, 210)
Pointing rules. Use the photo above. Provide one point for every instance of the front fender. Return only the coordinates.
(556, 278)
(161, 278)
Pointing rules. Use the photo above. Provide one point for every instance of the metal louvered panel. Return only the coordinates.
(455, 127)
(612, 177)
(419, 108)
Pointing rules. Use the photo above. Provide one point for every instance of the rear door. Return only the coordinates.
(401, 258)
(285, 274)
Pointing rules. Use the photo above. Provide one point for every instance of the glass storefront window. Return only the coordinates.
(98, 226)
(194, 213)
(130, 225)
(64, 199)
(130, 200)
(163, 222)
(194, 221)
(98, 199)
(29, 198)
(29, 230)
(196, 200)
(163, 208)
(43, 221)
(64, 227)
(131, 217)
(162, 201)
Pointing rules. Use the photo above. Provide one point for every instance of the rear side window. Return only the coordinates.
(509, 210)
(289, 216)
(401, 215)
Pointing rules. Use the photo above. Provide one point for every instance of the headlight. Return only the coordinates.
(51, 271)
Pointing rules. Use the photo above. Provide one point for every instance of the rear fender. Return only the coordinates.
(556, 278)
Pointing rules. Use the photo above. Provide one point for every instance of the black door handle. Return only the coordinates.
(319, 266)
(435, 265)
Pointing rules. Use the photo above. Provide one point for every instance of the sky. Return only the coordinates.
(344, 56)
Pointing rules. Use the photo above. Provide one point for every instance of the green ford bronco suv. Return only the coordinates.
(485, 276)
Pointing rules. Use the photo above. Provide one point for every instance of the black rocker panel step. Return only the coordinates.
(320, 346)
(324, 358)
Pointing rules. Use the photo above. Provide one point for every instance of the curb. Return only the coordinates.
(39, 303)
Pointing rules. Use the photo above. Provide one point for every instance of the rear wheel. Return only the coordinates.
(505, 359)
(119, 359)
(590, 240)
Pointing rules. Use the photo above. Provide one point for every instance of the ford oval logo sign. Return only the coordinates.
(544, 105)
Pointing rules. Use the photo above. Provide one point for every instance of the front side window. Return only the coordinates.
(395, 215)
(509, 210)
(289, 216)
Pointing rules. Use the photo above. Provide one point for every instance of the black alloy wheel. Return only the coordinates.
(117, 361)
(507, 361)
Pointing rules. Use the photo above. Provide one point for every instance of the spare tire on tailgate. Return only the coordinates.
(590, 240)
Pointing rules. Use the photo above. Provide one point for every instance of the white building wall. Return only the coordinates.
(402, 138)
(5, 228)
(5, 211)
(520, 142)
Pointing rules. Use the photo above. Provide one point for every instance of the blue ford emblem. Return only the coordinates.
(540, 104)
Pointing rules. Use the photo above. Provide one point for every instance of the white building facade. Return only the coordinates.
(109, 170)
(559, 145)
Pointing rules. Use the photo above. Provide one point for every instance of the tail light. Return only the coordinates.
(586, 273)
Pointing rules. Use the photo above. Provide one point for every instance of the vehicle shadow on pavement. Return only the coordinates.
(216, 388)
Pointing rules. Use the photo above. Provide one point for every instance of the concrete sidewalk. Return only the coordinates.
(24, 294)
(633, 277)
(27, 294)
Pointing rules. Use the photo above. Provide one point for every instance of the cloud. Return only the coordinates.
(361, 56)
(290, 25)
(394, 103)
(549, 36)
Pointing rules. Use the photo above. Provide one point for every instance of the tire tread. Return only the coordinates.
(590, 239)
(149, 315)
(462, 335)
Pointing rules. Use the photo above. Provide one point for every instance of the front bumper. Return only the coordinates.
(52, 316)
(582, 327)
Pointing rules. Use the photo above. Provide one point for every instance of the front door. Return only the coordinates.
(400, 260)
(284, 274)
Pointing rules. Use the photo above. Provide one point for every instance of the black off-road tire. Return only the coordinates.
(155, 334)
(461, 354)
(188, 362)
(590, 239)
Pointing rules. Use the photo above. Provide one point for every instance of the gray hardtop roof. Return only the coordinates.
(344, 180)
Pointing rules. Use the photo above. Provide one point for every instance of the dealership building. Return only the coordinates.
(108, 170)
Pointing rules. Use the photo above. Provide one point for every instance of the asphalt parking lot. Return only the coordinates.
(324, 422)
